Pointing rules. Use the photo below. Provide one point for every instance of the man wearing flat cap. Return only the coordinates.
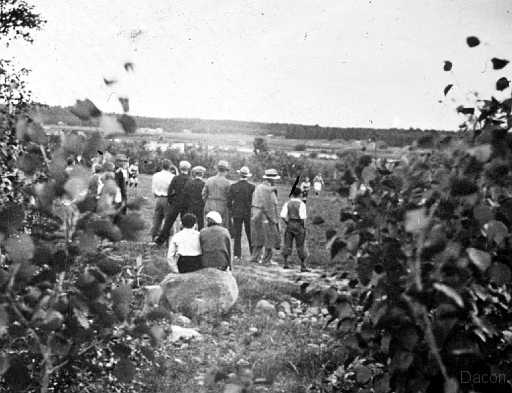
(215, 193)
(239, 205)
(265, 219)
(193, 195)
(177, 204)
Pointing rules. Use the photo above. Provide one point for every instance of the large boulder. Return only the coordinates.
(206, 291)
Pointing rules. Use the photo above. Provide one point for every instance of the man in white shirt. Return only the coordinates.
(294, 215)
(184, 253)
(160, 185)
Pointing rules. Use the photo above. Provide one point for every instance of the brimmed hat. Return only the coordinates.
(184, 165)
(244, 172)
(215, 217)
(223, 165)
(198, 169)
(271, 174)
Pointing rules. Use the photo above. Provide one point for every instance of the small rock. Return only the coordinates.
(265, 306)
(224, 324)
(313, 320)
(253, 330)
(313, 311)
(281, 315)
(243, 363)
(286, 307)
(183, 320)
(197, 359)
(181, 333)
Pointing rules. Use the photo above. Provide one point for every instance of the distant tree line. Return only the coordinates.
(391, 136)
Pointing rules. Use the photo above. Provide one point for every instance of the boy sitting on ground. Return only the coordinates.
(184, 248)
(294, 215)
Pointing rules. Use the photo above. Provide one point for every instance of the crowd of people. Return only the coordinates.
(214, 211)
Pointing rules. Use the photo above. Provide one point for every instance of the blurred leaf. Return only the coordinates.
(480, 258)
(72, 144)
(87, 242)
(483, 214)
(85, 110)
(368, 174)
(104, 228)
(11, 218)
(4, 363)
(449, 292)
(363, 374)
(17, 376)
(129, 66)
(472, 41)
(498, 64)
(109, 125)
(4, 320)
(125, 103)
(465, 110)
(500, 273)
(416, 220)
(336, 246)
(124, 370)
(451, 385)
(137, 203)
(502, 84)
(353, 242)
(482, 152)
(401, 360)
(447, 89)
(28, 130)
(29, 163)
(130, 225)
(317, 220)
(121, 298)
(127, 123)
(447, 65)
(157, 334)
(496, 231)
(109, 82)
(77, 185)
(20, 248)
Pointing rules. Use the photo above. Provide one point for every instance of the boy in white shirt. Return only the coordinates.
(184, 248)
(294, 215)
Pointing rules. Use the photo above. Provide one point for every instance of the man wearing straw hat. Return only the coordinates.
(239, 205)
(193, 195)
(215, 192)
(264, 219)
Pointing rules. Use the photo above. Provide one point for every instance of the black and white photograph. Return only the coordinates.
(255, 196)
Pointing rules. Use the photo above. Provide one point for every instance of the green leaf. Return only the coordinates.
(450, 292)
(416, 220)
(480, 258)
(496, 231)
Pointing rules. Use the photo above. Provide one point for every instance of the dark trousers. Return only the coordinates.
(187, 264)
(199, 213)
(294, 231)
(237, 233)
(161, 210)
(171, 216)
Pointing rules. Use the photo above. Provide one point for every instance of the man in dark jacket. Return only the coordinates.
(121, 176)
(176, 201)
(192, 195)
(239, 205)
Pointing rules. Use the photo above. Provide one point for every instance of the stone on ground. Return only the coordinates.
(206, 291)
(285, 307)
(183, 320)
(265, 306)
(180, 333)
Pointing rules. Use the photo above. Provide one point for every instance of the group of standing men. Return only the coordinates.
(240, 205)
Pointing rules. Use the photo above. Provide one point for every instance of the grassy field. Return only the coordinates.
(292, 353)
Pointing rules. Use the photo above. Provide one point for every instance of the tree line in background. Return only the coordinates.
(391, 136)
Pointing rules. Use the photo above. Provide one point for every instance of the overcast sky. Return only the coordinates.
(331, 62)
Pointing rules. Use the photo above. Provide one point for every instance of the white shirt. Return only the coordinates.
(185, 243)
(160, 182)
(302, 209)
